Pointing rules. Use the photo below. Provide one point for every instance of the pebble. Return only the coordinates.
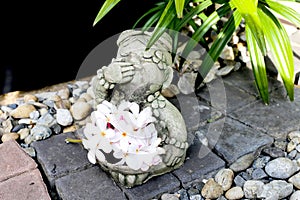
(295, 180)
(294, 134)
(56, 129)
(9, 136)
(274, 152)
(43, 111)
(252, 188)
(196, 197)
(276, 189)
(27, 121)
(227, 53)
(281, 168)
(44, 95)
(7, 126)
(295, 195)
(211, 189)
(12, 106)
(18, 127)
(86, 96)
(169, 197)
(242, 163)
(64, 93)
(34, 115)
(64, 117)
(292, 154)
(258, 174)
(30, 151)
(29, 97)
(292, 144)
(77, 92)
(224, 177)
(22, 111)
(261, 162)
(225, 70)
(46, 120)
(281, 144)
(6, 109)
(39, 132)
(234, 193)
(186, 83)
(80, 110)
(52, 111)
(69, 129)
(239, 181)
(24, 133)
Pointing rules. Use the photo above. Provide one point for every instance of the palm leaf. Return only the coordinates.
(280, 48)
(179, 4)
(223, 38)
(199, 33)
(106, 7)
(258, 65)
(165, 20)
(285, 11)
(152, 11)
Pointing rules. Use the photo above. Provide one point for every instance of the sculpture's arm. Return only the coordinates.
(176, 138)
(117, 72)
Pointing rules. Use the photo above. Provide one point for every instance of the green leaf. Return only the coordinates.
(154, 18)
(192, 13)
(179, 4)
(258, 65)
(285, 11)
(248, 9)
(223, 38)
(151, 11)
(106, 7)
(200, 32)
(280, 48)
(165, 20)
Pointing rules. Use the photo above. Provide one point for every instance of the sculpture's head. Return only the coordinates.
(153, 69)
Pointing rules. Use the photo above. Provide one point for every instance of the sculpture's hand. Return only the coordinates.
(119, 72)
(173, 155)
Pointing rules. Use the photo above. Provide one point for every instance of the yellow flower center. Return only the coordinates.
(124, 134)
(102, 133)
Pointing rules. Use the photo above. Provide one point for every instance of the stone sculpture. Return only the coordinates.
(137, 75)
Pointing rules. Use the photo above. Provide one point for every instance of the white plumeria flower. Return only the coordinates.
(126, 131)
(97, 140)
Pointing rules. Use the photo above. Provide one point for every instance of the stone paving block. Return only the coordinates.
(236, 139)
(277, 119)
(225, 97)
(244, 79)
(89, 184)
(154, 187)
(13, 160)
(58, 158)
(26, 186)
(200, 162)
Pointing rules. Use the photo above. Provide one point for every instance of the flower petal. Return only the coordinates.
(91, 156)
(133, 161)
(100, 156)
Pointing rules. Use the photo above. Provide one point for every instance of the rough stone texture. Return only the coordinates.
(244, 79)
(242, 163)
(28, 185)
(274, 121)
(281, 168)
(89, 184)
(225, 97)
(154, 187)
(58, 158)
(201, 161)
(235, 139)
(14, 161)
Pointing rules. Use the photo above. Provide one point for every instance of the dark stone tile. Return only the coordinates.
(200, 161)
(244, 79)
(89, 184)
(154, 187)
(58, 158)
(224, 96)
(233, 139)
(277, 119)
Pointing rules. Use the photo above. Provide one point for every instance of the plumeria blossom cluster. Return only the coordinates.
(126, 132)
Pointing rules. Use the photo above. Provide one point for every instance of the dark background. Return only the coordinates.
(45, 42)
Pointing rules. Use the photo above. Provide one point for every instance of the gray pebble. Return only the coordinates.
(259, 174)
(30, 151)
(253, 188)
(276, 189)
(295, 195)
(274, 152)
(239, 181)
(40, 132)
(64, 117)
(281, 144)
(292, 154)
(196, 197)
(18, 127)
(242, 163)
(281, 168)
(169, 197)
(56, 129)
(34, 115)
(46, 120)
(261, 162)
